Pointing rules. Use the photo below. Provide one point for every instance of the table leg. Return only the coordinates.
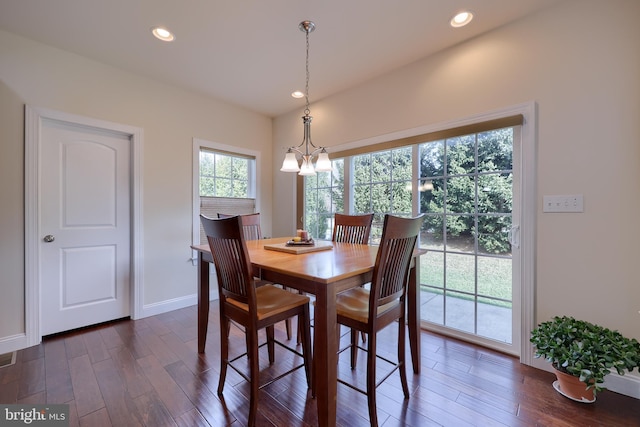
(203, 301)
(413, 315)
(325, 356)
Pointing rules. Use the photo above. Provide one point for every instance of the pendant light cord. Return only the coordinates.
(306, 88)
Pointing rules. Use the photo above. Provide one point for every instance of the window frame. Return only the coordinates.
(254, 182)
(249, 179)
(331, 188)
(522, 116)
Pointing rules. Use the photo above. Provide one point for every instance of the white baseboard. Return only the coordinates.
(173, 304)
(20, 341)
(13, 343)
(168, 305)
(627, 384)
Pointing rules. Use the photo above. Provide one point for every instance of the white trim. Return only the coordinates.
(31, 232)
(516, 249)
(33, 124)
(169, 305)
(196, 146)
(528, 164)
(627, 384)
(137, 227)
(13, 343)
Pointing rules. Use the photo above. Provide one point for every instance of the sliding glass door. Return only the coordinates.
(467, 187)
(466, 192)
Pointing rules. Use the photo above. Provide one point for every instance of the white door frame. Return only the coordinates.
(33, 124)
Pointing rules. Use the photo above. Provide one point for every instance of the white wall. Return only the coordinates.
(42, 76)
(580, 62)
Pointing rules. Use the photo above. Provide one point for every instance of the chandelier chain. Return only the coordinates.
(306, 88)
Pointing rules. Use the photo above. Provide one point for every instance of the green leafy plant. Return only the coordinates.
(585, 350)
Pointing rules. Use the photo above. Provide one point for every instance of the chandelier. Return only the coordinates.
(290, 163)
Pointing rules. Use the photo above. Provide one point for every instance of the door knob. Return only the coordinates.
(49, 238)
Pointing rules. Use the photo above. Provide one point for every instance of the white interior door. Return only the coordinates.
(84, 221)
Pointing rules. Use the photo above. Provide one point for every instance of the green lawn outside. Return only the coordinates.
(494, 276)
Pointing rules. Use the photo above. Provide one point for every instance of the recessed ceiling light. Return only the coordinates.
(461, 19)
(163, 34)
(297, 94)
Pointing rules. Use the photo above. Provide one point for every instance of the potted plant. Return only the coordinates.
(583, 352)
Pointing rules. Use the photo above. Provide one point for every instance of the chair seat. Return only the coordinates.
(259, 282)
(271, 301)
(354, 304)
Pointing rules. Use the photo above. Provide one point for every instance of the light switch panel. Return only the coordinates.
(569, 203)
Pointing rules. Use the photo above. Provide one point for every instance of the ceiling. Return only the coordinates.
(250, 52)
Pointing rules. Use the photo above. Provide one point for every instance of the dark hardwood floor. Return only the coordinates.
(148, 373)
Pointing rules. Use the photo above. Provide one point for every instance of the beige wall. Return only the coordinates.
(42, 76)
(11, 213)
(580, 62)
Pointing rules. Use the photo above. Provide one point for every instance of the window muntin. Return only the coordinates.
(324, 196)
(225, 175)
(382, 185)
(472, 181)
(467, 224)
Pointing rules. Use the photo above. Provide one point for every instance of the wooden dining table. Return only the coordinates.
(323, 273)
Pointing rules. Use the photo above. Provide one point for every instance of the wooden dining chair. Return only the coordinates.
(250, 225)
(370, 311)
(252, 231)
(252, 307)
(352, 229)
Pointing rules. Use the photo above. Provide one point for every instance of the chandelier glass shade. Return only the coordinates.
(306, 150)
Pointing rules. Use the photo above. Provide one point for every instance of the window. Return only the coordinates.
(468, 181)
(224, 182)
(324, 196)
(224, 175)
(382, 185)
(467, 200)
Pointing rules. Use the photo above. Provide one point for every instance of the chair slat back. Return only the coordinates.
(250, 225)
(352, 228)
(231, 258)
(391, 270)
